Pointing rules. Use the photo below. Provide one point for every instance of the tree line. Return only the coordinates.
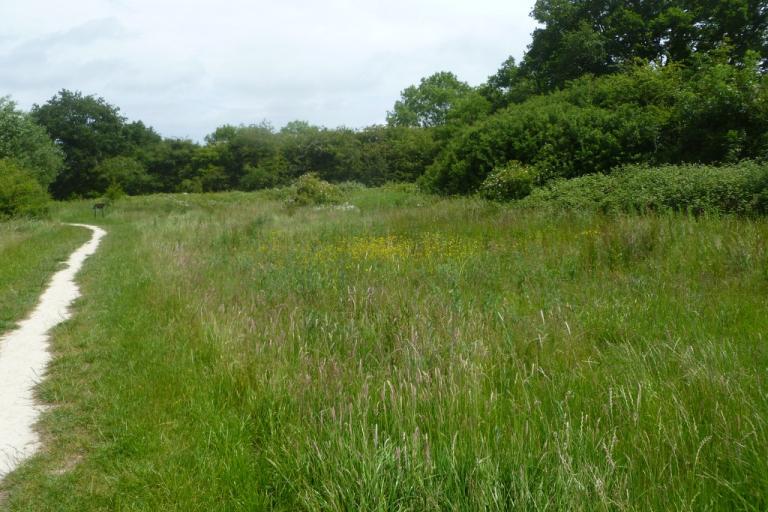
(603, 84)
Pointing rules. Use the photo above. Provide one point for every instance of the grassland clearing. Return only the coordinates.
(414, 353)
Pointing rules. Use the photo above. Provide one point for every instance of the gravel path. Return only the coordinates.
(24, 356)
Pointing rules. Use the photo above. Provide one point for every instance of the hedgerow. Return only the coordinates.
(734, 189)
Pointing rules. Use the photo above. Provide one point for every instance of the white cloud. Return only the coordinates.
(188, 66)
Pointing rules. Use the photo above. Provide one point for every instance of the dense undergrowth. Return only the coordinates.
(648, 115)
(414, 353)
(732, 189)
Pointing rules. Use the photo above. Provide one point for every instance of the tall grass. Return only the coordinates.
(230, 354)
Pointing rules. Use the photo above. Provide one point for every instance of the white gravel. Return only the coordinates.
(24, 357)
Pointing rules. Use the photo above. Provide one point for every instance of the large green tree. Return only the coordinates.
(428, 104)
(244, 150)
(125, 172)
(600, 36)
(508, 85)
(88, 130)
(172, 163)
(28, 144)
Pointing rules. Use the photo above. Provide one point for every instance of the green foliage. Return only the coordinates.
(310, 190)
(558, 138)
(721, 112)
(335, 155)
(191, 186)
(114, 192)
(736, 189)
(171, 163)
(245, 154)
(508, 85)
(27, 143)
(125, 172)
(395, 153)
(648, 114)
(21, 195)
(429, 103)
(257, 178)
(89, 131)
(592, 36)
(512, 181)
(214, 178)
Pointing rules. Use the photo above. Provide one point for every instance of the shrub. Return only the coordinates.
(740, 189)
(712, 114)
(560, 139)
(309, 189)
(512, 181)
(21, 195)
(114, 192)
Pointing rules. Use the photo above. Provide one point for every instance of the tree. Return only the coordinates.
(600, 36)
(428, 104)
(169, 163)
(713, 112)
(508, 85)
(249, 148)
(88, 130)
(28, 144)
(125, 172)
(335, 155)
(395, 154)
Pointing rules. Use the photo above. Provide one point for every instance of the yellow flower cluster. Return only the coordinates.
(433, 245)
(393, 248)
(388, 247)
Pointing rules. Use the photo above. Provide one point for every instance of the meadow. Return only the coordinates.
(410, 353)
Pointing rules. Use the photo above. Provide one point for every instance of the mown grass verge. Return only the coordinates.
(412, 354)
(30, 252)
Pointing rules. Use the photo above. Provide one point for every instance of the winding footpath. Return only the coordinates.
(24, 356)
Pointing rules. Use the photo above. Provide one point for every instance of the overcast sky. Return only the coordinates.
(188, 66)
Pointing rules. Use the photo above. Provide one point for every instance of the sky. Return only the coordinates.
(188, 66)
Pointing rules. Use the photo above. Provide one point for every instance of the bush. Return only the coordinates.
(715, 113)
(739, 189)
(114, 192)
(560, 139)
(21, 195)
(309, 189)
(512, 181)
